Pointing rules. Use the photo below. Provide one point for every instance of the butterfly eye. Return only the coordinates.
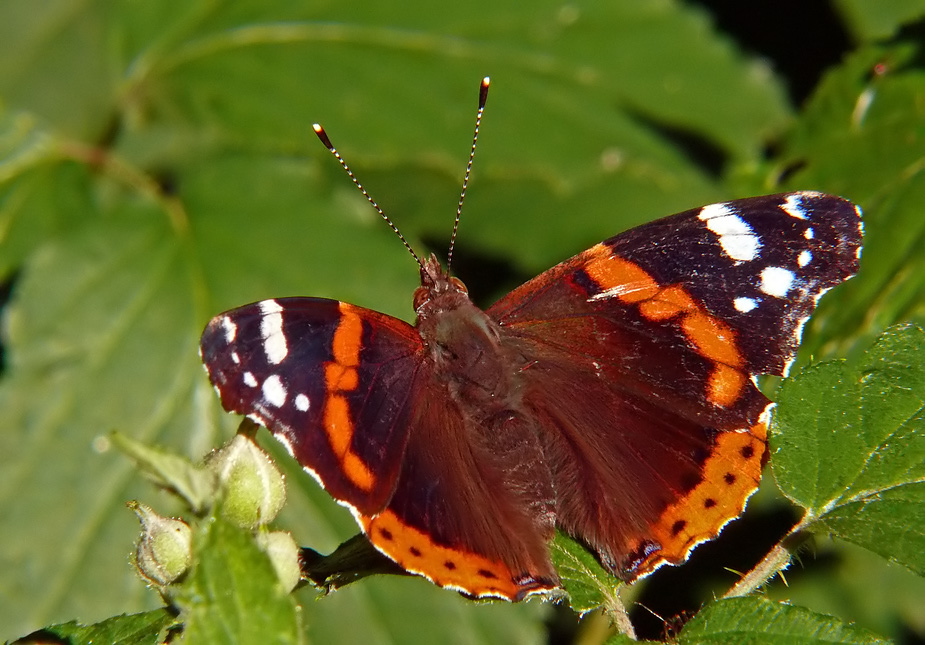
(421, 296)
(456, 282)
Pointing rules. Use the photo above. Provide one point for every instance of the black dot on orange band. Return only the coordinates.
(386, 534)
(729, 478)
(450, 565)
(487, 574)
(747, 452)
(415, 552)
(709, 502)
(678, 526)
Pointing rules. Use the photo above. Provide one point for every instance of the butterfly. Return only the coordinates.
(613, 396)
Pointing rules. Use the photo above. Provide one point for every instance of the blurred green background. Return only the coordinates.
(157, 166)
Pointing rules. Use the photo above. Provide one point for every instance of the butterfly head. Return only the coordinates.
(439, 290)
(461, 342)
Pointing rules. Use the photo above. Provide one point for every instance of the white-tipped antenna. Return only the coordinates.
(327, 144)
(483, 96)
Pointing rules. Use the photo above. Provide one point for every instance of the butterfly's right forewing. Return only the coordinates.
(330, 380)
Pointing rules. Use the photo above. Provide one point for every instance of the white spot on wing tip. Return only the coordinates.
(744, 305)
(743, 248)
(271, 331)
(270, 306)
(710, 211)
(249, 379)
(808, 233)
(301, 403)
(230, 329)
(274, 392)
(736, 237)
(793, 205)
(804, 258)
(776, 281)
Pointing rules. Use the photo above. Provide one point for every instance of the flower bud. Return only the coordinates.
(163, 553)
(254, 490)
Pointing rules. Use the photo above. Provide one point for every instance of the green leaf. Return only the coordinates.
(148, 628)
(848, 445)
(860, 137)
(28, 192)
(195, 484)
(756, 620)
(881, 19)
(585, 581)
(100, 336)
(232, 594)
(858, 588)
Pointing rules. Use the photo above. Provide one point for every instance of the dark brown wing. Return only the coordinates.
(644, 350)
(454, 517)
(331, 381)
(347, 391)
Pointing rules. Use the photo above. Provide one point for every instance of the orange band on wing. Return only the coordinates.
(630, 282)
(725, 385)
(729, 477)
(710, 337)
(667, 303)
(415, 551)
(347, 337)
(337, 423)
(340, 377)
(358, 472)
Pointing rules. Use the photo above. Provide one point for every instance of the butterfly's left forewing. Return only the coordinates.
(330, 380)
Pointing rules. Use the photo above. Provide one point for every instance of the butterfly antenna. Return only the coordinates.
(330, 146)
(483, 96)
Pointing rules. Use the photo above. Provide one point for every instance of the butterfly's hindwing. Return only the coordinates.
(442, 521)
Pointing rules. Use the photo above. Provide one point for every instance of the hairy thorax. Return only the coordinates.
(481, 375)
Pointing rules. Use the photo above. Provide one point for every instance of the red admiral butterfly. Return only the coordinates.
(612, 396)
